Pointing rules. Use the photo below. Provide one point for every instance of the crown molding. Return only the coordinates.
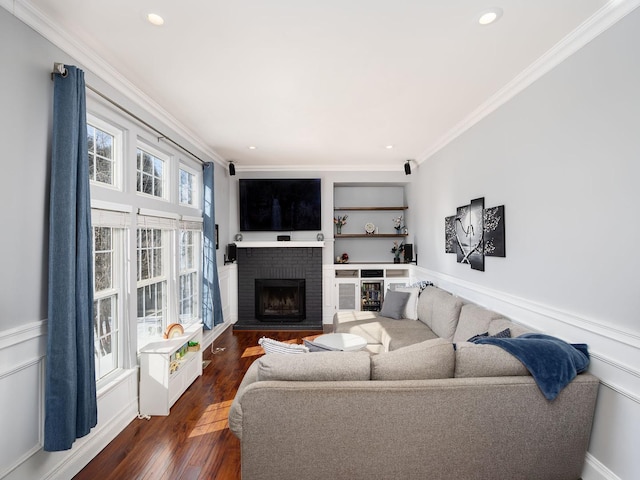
(398, 168)
(24, 11)
(600, 21)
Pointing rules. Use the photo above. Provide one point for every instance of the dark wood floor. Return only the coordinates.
(194, 441)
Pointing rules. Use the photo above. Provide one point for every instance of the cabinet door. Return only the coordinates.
(347, 295)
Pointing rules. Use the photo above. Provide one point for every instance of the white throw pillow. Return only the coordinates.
(274, 346)
(411, 308)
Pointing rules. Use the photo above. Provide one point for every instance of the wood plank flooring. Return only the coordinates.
(194, 441)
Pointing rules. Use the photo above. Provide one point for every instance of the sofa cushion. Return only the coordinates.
(440, 311)
(394, 304)
(321, 366)
(421, 361)
(370, 326)
(473, 320)
(405, 332)
(411, 309)
(473, 360)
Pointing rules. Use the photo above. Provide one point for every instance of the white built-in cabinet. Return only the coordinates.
(167, 368)
(362, 287)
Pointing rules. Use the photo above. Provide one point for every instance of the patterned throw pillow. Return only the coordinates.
(506, 333)
(274, 346)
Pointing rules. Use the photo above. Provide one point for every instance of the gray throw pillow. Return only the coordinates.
(394, 303)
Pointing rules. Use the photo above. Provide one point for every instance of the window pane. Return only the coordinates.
(147, 184)
(105, 335)
(151, 311)
(100, 150)
(104, 169)
(186, 187)
(188, 297)
(150, 170)
(104, 144)
(92, 167)
(102, 258)
(147, 166)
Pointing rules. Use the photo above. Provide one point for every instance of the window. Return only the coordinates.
(104, 144)
(187, 187)
(106, 323)
(151, 283)
(189, 267)
(150, 174)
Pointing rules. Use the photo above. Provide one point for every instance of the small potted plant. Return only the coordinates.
(398, 224)
(340, 221)
(397, 249)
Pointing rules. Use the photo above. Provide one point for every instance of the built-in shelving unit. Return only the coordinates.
(366, 205)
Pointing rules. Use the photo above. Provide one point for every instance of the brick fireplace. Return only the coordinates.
(279, 288)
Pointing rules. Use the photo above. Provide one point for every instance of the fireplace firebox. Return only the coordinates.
(280, 299)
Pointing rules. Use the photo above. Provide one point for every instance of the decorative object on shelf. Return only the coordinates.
(320, 237)
(340, 221)
(398, 224)
(238, 237)
(369, 228)
(193, 346)
(475, 232)
(397, 249)
(344, 258)
(173, 330)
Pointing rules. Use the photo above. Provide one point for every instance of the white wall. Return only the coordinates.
(563, 158)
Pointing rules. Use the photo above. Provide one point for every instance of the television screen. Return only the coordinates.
(280, 204)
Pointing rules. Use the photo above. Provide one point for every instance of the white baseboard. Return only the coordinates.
(594, 470)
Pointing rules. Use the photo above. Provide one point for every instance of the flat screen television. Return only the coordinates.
(279, 205)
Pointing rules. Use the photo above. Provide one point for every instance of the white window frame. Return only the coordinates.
(166, 170)
(195, 270)
(196, 191)
(117, 221)
(117, 151)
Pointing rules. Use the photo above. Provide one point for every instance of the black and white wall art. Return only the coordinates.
(474, 233)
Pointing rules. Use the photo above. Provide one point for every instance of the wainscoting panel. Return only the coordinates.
(615, 359)
(21, 394)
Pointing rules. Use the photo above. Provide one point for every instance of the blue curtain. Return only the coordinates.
(211, 304)
(70, 388)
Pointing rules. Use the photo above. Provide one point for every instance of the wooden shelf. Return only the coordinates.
(369, 208)
(366, 235)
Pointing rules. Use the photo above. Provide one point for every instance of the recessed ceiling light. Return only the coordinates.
(155, 19)
(251, 147)
(490, 16)
(388, 147)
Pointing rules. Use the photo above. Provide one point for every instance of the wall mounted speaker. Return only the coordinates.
(232, 252)
(408, 252)
(232, 169)
(407, 168)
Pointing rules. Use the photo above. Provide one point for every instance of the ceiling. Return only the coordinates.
(320, 84)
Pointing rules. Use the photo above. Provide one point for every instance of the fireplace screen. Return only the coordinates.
(280, 299)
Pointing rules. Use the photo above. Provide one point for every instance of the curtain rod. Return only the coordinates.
(60, 69)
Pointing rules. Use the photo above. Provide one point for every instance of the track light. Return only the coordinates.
(407, 168)
(232, 169)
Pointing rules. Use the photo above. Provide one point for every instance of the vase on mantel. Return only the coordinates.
(338, 229)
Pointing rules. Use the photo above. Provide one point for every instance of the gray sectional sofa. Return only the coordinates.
(411, 406)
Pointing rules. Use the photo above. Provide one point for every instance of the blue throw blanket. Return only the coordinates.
(552, 362)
